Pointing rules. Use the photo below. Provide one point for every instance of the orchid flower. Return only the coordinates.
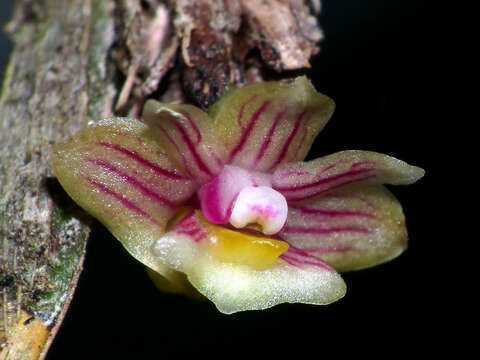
(222, 200)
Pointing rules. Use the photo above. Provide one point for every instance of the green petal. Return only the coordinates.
(118, 172)
(351, 228)
(266, 124)
(303, 181)
(189, 137)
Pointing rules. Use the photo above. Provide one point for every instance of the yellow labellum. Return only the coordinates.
(246, 249)
(234, 246)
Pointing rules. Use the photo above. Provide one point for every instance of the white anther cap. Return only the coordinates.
(261, 205)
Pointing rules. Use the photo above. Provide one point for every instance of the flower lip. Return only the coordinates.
(261, 205)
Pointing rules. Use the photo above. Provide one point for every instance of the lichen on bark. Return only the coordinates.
(45, 98)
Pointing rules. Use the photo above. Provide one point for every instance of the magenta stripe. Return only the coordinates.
(321, 181)
(190, 226)
(300, 258)
(331, 213)
(246, 132)
(289, 173)
(269, 137)
(296, 262)
(142, 144)
(293, 173)
(151, 194)
(124, 202)
(242, 110)
(301, 143)
(360, 163)
(189, 232)
(192, 233)
(322, 251)
(191, 147)
(289, 260)
(319, 230)
(193, 126)
(324, 190)
(296, 251)
(200, 236)
(352, 196)
(330, 167)
(292, 134)
(171, 141)
(136, 157)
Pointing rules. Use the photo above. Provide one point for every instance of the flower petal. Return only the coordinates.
(189, 137)
(119, 174)
(350, 228)
(306, 180)
(232, 286)
(264, 125)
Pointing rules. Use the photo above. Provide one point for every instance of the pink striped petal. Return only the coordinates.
(295, 277)
(267, 124)
(218, 196)
(121, 176)
(189, 137)
(350, 228)
(302, 259)
(306, 180)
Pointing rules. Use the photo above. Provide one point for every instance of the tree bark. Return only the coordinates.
(83, 60)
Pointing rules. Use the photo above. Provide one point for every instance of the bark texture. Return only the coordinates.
(83, 60)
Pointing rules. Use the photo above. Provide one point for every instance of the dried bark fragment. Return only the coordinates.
(213, 42)
(284, 31)
(146, 48)
(213, 59)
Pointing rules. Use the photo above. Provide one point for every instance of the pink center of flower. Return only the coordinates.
(241, 197)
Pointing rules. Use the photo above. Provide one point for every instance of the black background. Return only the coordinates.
(387, 65)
